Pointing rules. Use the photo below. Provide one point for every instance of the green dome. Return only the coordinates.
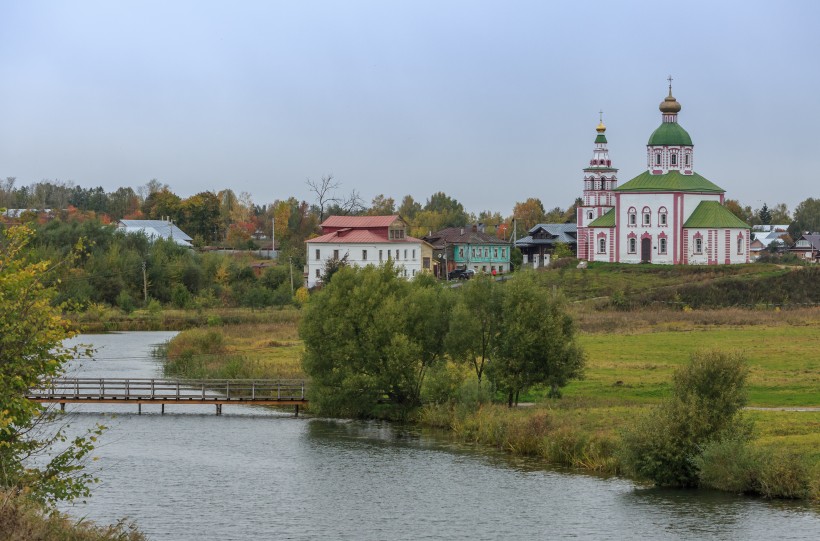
(670, 134)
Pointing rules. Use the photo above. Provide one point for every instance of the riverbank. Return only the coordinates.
(631, 358)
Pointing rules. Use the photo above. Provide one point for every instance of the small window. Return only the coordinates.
(397, 255)
(405, 253)
(633, 218)
(495, 252)
(647, 218)
(698, 245)
(740, 245)
(657, 159)
(486, 252)
(687, 160)
(674, 159)
(484, 268)
(318, 257)
(335, 254)
(364, 255)
(318, 274)
(662, 218)
(414, 253)
(461, 252)
(472, 252)
(589, 215)
(602, 245)
(662, 245)
(381, 257)
(633, 245)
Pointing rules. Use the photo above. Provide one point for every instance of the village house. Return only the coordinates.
(539, 244)
(468, 248)
(367, 240)
(807, 247)
(156, 229)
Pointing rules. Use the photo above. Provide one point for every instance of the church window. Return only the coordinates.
(740, 245)
(687, 160)
(602, 245)
(662, 217)
(658, 158)
(633, 245)
(633, 217)
(698, 245)
(661, 245)
(647, 216)
(589, 215)
(674, 159)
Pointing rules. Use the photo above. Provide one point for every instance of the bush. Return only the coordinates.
(126, 302)
(785, 476)
(731, 465)
(708, 396)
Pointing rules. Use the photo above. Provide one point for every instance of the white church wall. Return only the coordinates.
(654, 202)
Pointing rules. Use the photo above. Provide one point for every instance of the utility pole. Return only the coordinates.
(290, 261)
(144, 283)
(273, 231)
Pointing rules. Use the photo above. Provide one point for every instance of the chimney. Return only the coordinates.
(462, 230)
(475, 228)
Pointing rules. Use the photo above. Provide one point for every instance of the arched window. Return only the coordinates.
(633, 217)
(633, 245)
(602, 245)
(589, 215)
(687, 160)
(740, 244)
(662, 220)
(698, 245)
(661, 245)
(658, 158)
(673, 159)
(647, 217)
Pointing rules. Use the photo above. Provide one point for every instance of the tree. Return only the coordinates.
(806, 218)
(537, 340)
(332, 266)
(475, 326)
(780, 214)
(369, 338)
(323, 190)
(382, 206)
(707, 399)
(32, 331)
(529, 213)
(409, 208)
(733, 206)
(764, 215)
(200, 215)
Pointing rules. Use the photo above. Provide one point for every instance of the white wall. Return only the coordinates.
(654, 202)
(408, 261)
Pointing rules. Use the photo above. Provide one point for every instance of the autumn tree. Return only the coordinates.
(806, 218)
(32, 331)
(382, 206)
(528, 214)
(409, 208)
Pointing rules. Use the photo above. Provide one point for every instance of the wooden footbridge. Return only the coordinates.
(161, 391)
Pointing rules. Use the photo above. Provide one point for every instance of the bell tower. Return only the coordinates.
(600, 179)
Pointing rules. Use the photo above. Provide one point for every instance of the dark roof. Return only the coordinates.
(460, 235)
(812, 238)
(566, 233)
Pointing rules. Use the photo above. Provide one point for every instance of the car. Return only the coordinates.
(456, 274)
(467, 274)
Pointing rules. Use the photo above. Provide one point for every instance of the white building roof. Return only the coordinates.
(154, 229)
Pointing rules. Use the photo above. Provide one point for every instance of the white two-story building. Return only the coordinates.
(367, 240)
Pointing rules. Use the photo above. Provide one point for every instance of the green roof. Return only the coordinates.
(600, 138)
(607, 220)
(670, 134)
(713, 214)
(673, 181)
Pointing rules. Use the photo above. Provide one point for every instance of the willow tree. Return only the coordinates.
(369, 338)
(32, 331)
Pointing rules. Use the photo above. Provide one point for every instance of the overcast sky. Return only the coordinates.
(491, 102)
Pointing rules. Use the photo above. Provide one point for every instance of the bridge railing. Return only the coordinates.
(162, 389)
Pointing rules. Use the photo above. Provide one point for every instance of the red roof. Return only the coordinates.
(359, 221)
(359, 236)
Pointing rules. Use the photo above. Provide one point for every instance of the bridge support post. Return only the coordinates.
(219, 409)
(162, 410)
(62, 406)
(297, 410)
(139, 409)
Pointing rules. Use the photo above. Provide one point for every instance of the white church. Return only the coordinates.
(666, 215)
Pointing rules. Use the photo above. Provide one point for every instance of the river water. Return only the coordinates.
(251, 474)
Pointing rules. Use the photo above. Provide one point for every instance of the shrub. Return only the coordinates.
(708, 395)
(730, 464)
(785, 476)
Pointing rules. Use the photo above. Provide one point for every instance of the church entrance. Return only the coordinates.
(646, 250)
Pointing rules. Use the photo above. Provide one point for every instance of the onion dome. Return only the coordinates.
(669, 105)
(600, 128)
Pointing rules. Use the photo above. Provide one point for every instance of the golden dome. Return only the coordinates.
(600, 128)
(669, 104)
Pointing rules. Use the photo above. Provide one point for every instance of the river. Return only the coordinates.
(253, 474)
